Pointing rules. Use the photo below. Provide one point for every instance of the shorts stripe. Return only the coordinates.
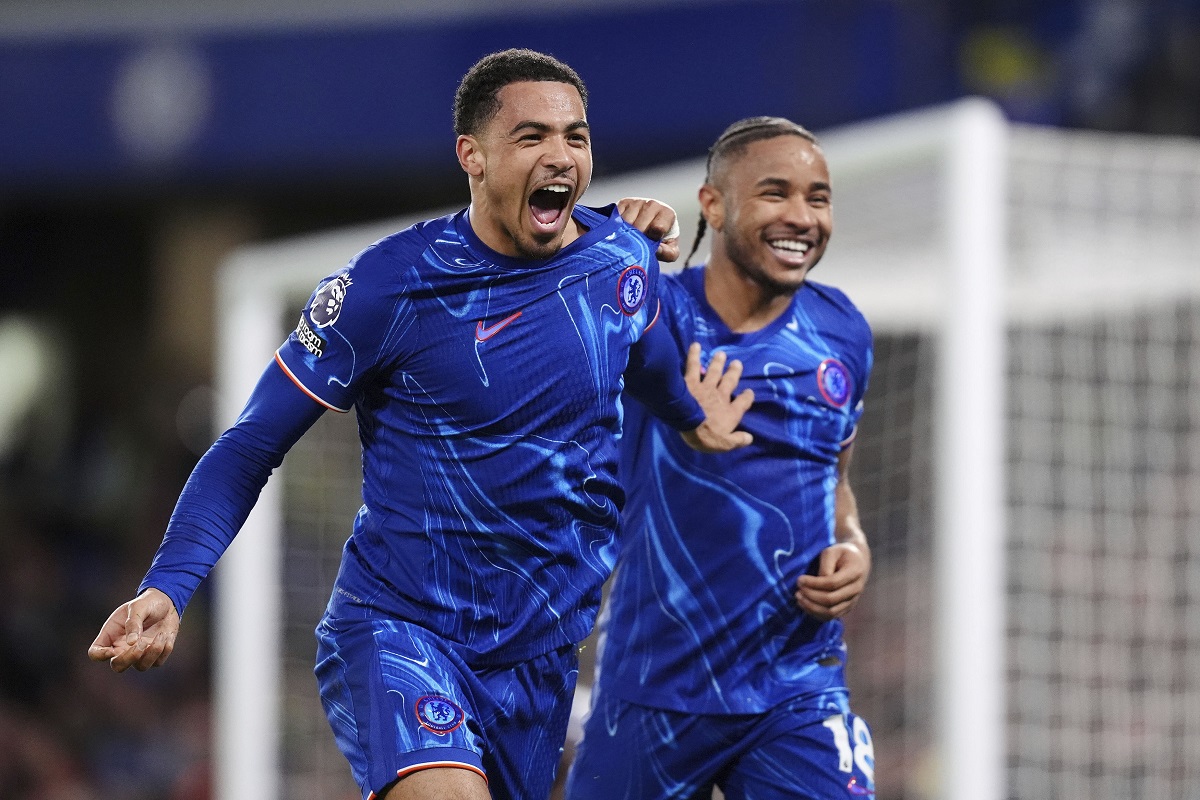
(401, 773)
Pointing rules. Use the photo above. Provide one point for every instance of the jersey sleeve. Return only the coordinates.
(226, 483)
(655, 376)
(353, 322)
(860, 364)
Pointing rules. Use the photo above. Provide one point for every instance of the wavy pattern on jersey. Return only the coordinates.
(702, 615)
(491, 500)
(634, 752)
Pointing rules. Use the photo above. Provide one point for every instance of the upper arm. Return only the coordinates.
(355, 320)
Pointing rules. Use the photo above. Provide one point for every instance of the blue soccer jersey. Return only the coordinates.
(703, 617)
(488, 395)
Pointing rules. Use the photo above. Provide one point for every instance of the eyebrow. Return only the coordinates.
(542, 127)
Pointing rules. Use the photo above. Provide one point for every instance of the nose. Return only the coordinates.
(800, 213)
(557, 154)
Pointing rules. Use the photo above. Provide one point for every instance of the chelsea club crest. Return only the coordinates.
(833, 379)
(631, 289)
(438, 714)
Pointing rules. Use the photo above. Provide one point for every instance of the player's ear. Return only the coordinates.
(712, 206)
(470, 156)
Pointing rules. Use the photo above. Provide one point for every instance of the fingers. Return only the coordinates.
(668, 251)
(713, 387)
(139, 634)
(104, 647)
(832, 595)
(715, 369)
(100, 652)
(743, 401)
(825, 613)
(149, 652)
(740, 439)
(728, 381)
(655, 219)
(133, 624)
(691, 368)
(827, 605)
(829, 596)
(829, 561)
(638, 212)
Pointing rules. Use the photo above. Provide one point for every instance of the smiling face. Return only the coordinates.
(528, 166)
(770, 209)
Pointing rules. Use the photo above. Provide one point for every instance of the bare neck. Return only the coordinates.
(743, 304)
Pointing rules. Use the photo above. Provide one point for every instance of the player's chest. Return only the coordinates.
(803, 389)
(499, 351)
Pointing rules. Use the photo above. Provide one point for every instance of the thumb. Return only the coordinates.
(830, 559)
(133, 625)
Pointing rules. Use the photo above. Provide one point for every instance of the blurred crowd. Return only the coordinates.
(98, 429)
(1121, 65)
(86, 491)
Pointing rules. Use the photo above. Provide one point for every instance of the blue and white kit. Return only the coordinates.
(707, 662)
(488, 396)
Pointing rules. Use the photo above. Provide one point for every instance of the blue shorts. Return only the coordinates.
(796, 751)
(400, 699)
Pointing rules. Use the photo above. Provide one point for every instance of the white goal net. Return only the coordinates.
(1028, 468)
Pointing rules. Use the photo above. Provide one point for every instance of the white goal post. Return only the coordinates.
(988, 257)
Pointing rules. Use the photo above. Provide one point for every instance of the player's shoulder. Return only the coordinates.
(396, 256)
(682, 286)
(832, 300)
(408, 245)
(607, 225)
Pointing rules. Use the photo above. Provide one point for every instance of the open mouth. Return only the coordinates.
(548, 203)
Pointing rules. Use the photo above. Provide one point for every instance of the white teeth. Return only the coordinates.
(556, 187)
(787, 244)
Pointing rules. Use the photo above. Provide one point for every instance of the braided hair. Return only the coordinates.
(734, 141)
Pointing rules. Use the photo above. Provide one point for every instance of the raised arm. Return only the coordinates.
(843, 567)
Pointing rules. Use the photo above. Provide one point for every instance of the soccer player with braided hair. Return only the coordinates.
(722, 658)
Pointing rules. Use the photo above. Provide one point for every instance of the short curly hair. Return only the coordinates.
(477, 100)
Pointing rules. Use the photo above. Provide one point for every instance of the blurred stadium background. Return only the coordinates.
(143, 142)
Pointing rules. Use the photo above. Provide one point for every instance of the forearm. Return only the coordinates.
(211, 509)
(847, 526)
(655, 378)
(225, 485)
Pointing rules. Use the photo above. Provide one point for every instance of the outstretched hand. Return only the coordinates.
(841, 576)
(713, 390)
(655, 219)
(139, 634)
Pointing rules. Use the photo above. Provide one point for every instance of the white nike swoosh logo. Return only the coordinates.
(422, 663)
(484, 333)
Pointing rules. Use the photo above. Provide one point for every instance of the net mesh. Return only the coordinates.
(1103, 578)
(1104, 471)
(322, 493)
